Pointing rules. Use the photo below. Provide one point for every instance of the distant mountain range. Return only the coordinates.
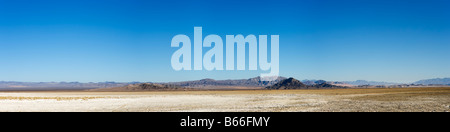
(143, 87)
(11, 85)
(348, 83)
(364, 82)
(251, 83)
(205, 84)
(439, 81)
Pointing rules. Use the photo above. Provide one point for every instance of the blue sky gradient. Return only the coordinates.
(129, 40)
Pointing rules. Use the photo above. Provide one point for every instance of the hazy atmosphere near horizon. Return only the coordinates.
(129, 40)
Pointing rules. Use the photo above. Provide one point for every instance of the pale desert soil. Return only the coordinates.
(399, 99)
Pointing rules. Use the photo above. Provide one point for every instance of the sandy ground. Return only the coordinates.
(399, 99)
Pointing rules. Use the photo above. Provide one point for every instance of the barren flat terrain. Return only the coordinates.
(396, 99)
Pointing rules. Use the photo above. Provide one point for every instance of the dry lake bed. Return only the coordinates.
(346, 100)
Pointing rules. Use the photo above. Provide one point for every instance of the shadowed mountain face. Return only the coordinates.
(292, 83)
(289, 83)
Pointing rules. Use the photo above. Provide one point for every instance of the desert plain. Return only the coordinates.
(320, 100)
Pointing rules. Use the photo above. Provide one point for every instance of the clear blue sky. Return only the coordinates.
(129, 40)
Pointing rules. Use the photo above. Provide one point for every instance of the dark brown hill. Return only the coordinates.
(289, 83)
(292, 83)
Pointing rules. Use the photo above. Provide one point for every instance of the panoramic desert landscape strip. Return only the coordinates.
(319, 100)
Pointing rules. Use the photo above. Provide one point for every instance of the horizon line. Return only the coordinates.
(212, 79)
